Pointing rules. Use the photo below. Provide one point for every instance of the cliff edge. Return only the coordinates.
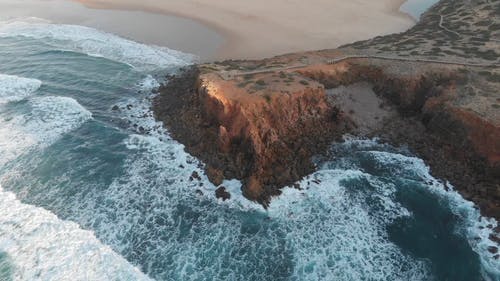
(434, 88)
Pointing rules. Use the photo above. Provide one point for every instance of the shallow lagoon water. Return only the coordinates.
(106, 192)
(416, 8)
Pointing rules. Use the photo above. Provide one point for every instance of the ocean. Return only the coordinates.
(93, 188)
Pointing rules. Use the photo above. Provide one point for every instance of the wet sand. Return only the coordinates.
(262, 28)
(163, 30)
(220, 29)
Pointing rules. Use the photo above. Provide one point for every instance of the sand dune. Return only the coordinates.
(261, 28)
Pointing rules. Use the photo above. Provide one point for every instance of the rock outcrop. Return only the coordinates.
(261, 120)
(265, 138)
(439, 123)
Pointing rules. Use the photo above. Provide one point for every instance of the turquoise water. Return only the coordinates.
(89, 192)
(5, 267)
(416, 8)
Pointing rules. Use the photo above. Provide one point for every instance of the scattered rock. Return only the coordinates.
(196, 176)
(493, 249)
(267, 143)
(265, 140)
(494, 238)
(216, 176)
(115, 108)
(222, 193)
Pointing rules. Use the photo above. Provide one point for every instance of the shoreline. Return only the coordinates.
(178, 33)
(244, 29)
(454, 129)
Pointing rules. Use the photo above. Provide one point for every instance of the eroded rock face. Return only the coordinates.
(266, 138)
(461, 145)
(264, 128)
(430, 93)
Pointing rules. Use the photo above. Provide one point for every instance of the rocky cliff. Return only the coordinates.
(457, 132)
(260, 121)
(264, 137)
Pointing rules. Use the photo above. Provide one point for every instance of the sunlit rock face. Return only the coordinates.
(262, 135)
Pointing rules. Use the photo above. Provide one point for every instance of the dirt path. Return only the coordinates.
(228, 75)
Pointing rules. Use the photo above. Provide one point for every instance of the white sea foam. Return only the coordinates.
(174, 227)
(15, 88)
(158, 142)
(477, 228)
(330, 234)
(47, 119)
(97, 43)
(149, 83)
(43, 247)
(336, 236)
(52, 117)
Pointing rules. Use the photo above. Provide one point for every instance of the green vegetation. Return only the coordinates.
(261, 82)
(248, 76)
(267, 97)
(245, 83)
(490, 76)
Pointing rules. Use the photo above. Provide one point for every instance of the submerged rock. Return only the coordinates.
(221, 193)
(493, 249)
(195, 176)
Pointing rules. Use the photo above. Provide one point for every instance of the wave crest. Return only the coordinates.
(15, 88)
(98, 43)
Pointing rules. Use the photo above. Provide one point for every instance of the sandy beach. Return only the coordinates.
(219, 29)
(174, 32)
(260, 28)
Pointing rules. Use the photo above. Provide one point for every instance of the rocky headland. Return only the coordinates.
(434, 88)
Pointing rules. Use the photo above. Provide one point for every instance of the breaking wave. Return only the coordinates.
(97, 43)
(44, 120)
(15, 88)
(42, 247)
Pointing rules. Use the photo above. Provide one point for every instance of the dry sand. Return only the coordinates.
(368, 111)
(220, 29)
(174, 32)
(263, 28)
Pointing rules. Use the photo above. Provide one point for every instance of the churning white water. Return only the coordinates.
(93, 188)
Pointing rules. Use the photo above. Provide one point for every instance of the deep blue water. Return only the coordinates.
(87, 194)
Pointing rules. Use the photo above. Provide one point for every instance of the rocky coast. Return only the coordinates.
(261, 121)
